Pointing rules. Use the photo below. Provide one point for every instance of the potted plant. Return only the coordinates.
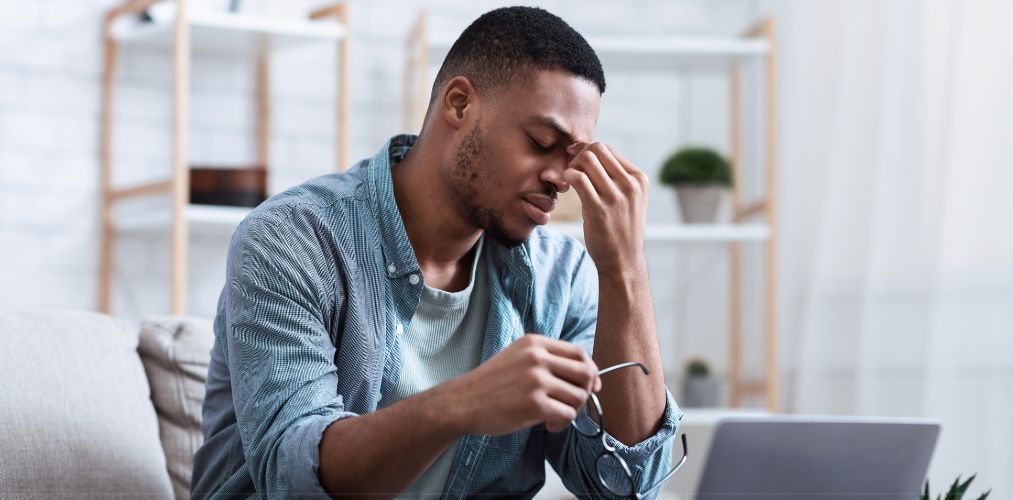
(957, 490)
(700, 176)
(699, 388)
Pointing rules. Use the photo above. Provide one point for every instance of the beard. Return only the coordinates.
(468, 170)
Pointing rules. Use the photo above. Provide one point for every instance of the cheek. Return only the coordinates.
(507, 170)
(504, 180)
(515, 170)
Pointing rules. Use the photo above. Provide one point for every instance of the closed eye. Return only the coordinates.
(538, 146)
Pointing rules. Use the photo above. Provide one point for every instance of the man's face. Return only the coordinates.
(509, 166)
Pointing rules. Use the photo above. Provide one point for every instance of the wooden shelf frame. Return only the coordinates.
(726, 55)
(766, 208)
(178, 184)
(218, 218)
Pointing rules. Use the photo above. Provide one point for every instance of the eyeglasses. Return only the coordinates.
(608, 461)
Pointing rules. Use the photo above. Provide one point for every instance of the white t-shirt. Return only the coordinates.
(444, 340)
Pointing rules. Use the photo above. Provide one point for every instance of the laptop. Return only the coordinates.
(821, 458)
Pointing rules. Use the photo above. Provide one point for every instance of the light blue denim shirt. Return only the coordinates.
(317, 281)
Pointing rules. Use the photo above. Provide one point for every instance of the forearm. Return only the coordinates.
(626, 332)
(383, 452)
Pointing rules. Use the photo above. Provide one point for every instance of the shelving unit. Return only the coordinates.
(234, 35)
(754, 221)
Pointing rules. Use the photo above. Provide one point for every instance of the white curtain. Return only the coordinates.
(896, 122)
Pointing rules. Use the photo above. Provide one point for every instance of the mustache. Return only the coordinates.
(550, 191)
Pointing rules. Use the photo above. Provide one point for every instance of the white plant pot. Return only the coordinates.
(699, 204)
(700, 392)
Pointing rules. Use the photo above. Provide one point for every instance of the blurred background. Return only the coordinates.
(872, 139)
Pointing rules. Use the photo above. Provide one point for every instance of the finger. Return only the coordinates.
(585, 190)
(564, 348)
(628, 178)
(610, 163)
(580, 373)
(630, 168)
(587, 161)
(584, 158)
(556, 411)
(575, 148)
(565, 392)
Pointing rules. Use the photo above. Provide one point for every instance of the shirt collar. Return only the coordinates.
(399, 257)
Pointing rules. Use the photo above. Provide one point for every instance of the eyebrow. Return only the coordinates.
(555, 125)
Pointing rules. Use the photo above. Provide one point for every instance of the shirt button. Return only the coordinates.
(399, 329)
(414, 279)
(391, 268)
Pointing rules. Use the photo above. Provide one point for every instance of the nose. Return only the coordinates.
(553, 174)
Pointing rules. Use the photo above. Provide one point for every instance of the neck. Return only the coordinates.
(441, 235)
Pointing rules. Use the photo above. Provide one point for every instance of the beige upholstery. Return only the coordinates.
(175, 352)
(75, 412)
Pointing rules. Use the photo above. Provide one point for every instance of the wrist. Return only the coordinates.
(623, 273)
(447, 411)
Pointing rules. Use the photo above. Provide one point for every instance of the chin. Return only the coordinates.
(509, 238)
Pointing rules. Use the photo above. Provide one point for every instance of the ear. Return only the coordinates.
(457, 101)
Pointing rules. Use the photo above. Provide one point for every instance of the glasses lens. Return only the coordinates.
(614, 476)
(589, 426)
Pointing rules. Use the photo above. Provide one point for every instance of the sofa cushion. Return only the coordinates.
(176, 352)
(75, 410)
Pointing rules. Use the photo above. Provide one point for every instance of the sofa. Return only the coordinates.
(93, 408)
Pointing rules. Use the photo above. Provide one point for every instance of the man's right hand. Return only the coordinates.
(536, 379)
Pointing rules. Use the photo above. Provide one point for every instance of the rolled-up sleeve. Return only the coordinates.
(281, 357)
(574, 456)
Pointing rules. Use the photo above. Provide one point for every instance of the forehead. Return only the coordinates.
(569, 101)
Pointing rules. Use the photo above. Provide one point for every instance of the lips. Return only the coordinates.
(538, 208)
(544, 203)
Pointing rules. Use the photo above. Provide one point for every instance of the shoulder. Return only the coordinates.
(556, 254)
(316, 204)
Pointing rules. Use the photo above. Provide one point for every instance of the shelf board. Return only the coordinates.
(659, 52)
(201, 218)
(684, 233)
(212, 218)
(227, 34)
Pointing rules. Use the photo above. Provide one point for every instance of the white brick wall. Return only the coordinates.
(50, 83)
(50, 79)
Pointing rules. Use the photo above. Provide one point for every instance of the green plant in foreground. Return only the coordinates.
(697, 368)
(957, 490)
(698, 166)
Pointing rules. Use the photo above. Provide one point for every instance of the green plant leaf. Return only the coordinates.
(956, 490)
(952, 493)
(963, 487)
(697, 367)
(697, 166)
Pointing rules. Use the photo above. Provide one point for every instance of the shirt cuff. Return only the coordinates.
(300, 454)
(638, 453)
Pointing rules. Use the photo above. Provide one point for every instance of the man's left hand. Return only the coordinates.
(613, 195)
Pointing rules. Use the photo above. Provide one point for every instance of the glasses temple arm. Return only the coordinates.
(624, 365)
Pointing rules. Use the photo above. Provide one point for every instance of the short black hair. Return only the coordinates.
(511, 43)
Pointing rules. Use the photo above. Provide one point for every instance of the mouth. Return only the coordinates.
(538, 208)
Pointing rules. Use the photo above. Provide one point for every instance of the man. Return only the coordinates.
(371, 336)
